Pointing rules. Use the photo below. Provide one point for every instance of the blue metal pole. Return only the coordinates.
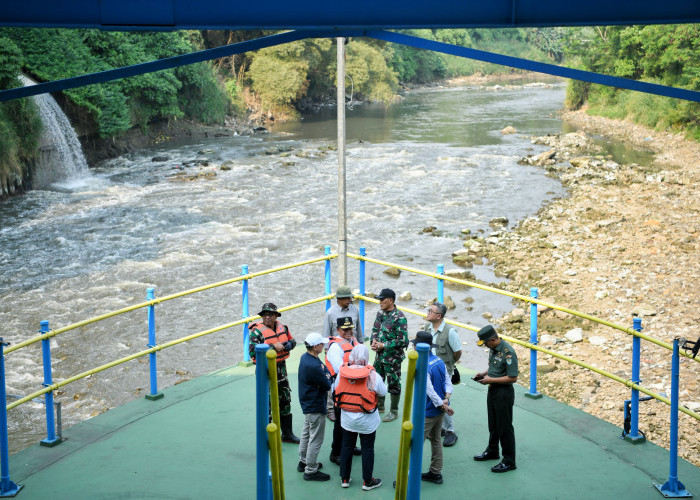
(7, 487)
(363, 252)
(634, 436)
(441, 284)
(328, 276)
(150, 295)
(262, 401)
(244, 314)
(533, 352)
(51, 439)
(419, 395)
(673, 487)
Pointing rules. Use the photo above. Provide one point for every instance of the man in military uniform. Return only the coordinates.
(447, 347)
(273, 332)
(500, 377)
(389, 340)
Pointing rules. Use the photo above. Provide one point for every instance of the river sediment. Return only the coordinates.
(624, 243)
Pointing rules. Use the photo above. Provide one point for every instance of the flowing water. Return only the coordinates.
(60, 153)
(77, 250)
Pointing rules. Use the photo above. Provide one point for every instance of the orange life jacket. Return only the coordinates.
(352, 392)
(345, 345)
(280, 334)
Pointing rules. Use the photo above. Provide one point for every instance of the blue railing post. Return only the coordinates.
(419, 394)
(7, 487)
(361, 305)
(244, 314)
(51, 439)
(150, 295)
(328, 276)
(441, 284)
(673, 487)
(533, 352)
(634, 436)
(262, 401)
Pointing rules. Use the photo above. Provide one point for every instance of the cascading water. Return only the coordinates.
(60, 154)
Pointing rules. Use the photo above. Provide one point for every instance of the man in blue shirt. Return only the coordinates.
(437, 405)
(314, 384)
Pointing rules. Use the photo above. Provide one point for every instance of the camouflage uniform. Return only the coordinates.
(391, 329)
(285, 393)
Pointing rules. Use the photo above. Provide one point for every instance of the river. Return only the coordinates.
(93, 244)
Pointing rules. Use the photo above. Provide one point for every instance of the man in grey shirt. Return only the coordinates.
(447, 347)
(343, 307)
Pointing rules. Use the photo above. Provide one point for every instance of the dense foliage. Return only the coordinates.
(20, 125)
(668, 55)
(193, 91)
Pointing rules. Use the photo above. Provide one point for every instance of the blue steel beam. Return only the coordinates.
(324, 14)
(290, 36)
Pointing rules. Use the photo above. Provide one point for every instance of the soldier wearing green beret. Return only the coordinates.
(500, 377)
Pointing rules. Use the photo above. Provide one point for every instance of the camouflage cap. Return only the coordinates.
(269, 307)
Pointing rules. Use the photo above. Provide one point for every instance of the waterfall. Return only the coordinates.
(60, 154)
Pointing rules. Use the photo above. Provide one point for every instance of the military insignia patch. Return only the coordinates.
(509, 359)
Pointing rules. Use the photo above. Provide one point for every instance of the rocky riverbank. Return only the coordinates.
(624, 243)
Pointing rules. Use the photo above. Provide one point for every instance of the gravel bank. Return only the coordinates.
(623, 244)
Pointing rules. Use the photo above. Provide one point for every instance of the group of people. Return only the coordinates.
(351, 393)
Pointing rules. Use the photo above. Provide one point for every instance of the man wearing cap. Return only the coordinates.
(437, 405)
(448, 348)
(314, 384)
(343, 308)
(389, 340)
(273, 332)
(339, 349)
(500, 377)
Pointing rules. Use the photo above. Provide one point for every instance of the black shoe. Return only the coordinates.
(503, 467)
(301, 466)
(335, 459)
(450, 439)
(374, 483)
(290, 439)
(433, 478)
(486, 456)
(317, 476)
(442, 433)
(357, 452)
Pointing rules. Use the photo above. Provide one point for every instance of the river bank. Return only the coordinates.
(624, 243)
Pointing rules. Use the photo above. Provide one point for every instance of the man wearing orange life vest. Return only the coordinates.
(338, 354)
(357, 388)
(273, 332)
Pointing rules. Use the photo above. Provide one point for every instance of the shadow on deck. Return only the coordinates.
(199, 442)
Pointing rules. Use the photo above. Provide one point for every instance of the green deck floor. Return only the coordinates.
(199, 442)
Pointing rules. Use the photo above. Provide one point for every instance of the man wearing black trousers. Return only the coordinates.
(500, 377)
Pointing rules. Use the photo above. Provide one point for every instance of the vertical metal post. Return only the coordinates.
(7, 487)
(533, 352)
(328, 276)
(150, 295)
(419, 395)
(244, 314)
(262, 401)
(342, 203)
(51, 439)
(634, 436)
(673, 487)
(363, 252)
(441, 284)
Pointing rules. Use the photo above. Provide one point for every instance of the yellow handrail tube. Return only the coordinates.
(404, 445)
(404, 460)
(275, 461)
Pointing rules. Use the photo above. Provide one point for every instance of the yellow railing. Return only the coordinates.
(524, 298)
(73, 326)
